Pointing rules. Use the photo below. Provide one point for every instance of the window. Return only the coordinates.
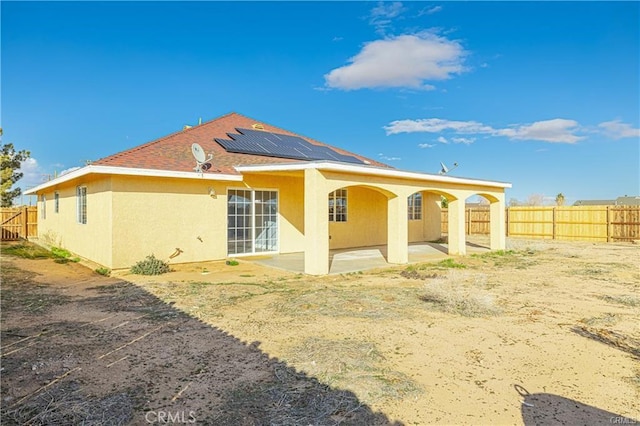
(81, 207)
(252, 221)
(338, 206)
(43, 210)
(414, 208)
(56, 202)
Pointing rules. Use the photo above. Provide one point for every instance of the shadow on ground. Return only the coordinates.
(105, 351)
(547, 409)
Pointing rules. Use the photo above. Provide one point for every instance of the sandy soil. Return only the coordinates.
(554, 339)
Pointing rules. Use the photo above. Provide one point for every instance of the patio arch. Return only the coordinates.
(497, 217)
(364, 220)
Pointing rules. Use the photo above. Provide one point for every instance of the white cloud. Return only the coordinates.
(387, 158)
(426, 145)
(404, 61)
(383, 14)
(33, 175)
(466, 141)
(442, 139)
(616, 129)
(557, 130)
(430, 10)
(435, 125)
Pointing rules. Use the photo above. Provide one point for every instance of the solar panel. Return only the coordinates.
(260, 142)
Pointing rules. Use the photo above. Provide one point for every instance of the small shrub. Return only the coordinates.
(104, 271)
(451, 263)
(150, 266)
(232, 262)
(60, 253)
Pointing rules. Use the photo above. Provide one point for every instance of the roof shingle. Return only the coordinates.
(173, 152)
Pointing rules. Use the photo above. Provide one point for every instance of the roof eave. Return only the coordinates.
(128, 171)
(370, 170)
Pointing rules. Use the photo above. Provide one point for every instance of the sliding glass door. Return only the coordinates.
(252, 221)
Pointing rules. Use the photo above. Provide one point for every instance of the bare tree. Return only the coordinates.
(535, 200)
(560, 199)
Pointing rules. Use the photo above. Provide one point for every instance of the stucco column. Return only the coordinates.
(397, 230)
(316, 224)
(457, 243)
(432, 216)
(498, 226)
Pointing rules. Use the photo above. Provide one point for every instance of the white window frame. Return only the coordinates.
(81, 205)
(56, 202)
(253, 221)
(43, 203)
(334, 196)
(414, 206)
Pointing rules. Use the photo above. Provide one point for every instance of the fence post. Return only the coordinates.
(468, 221)
(553, 223)
(608, 224)
(25, 222)
(507, 219)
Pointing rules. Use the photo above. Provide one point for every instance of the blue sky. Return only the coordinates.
(544, 95)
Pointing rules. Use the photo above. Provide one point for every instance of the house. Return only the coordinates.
(628, 201)
(620, 201)
(263, 190)
(595, 203)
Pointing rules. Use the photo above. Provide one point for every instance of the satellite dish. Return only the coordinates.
(202, 162)
(444, 169)
(198, 153)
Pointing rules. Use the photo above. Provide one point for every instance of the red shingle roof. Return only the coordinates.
(173, 152)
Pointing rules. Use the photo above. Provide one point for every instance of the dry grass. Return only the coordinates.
(25, 250)
(623, 299)
(460, 294)
(66, 405)
(353, 301)
(611, 338)
(354, 364)
(292, 399)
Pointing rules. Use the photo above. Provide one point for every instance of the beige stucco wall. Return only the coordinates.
(366, 223)
(92, 240)
(159, 216)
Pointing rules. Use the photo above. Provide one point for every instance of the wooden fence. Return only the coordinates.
(18, 222)
(590, 223)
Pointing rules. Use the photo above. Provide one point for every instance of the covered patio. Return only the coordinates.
(342, 261)
(372, 215)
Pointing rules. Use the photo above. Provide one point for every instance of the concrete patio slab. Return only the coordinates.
(362, 258)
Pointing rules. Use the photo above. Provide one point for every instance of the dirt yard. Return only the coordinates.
(545, 332)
